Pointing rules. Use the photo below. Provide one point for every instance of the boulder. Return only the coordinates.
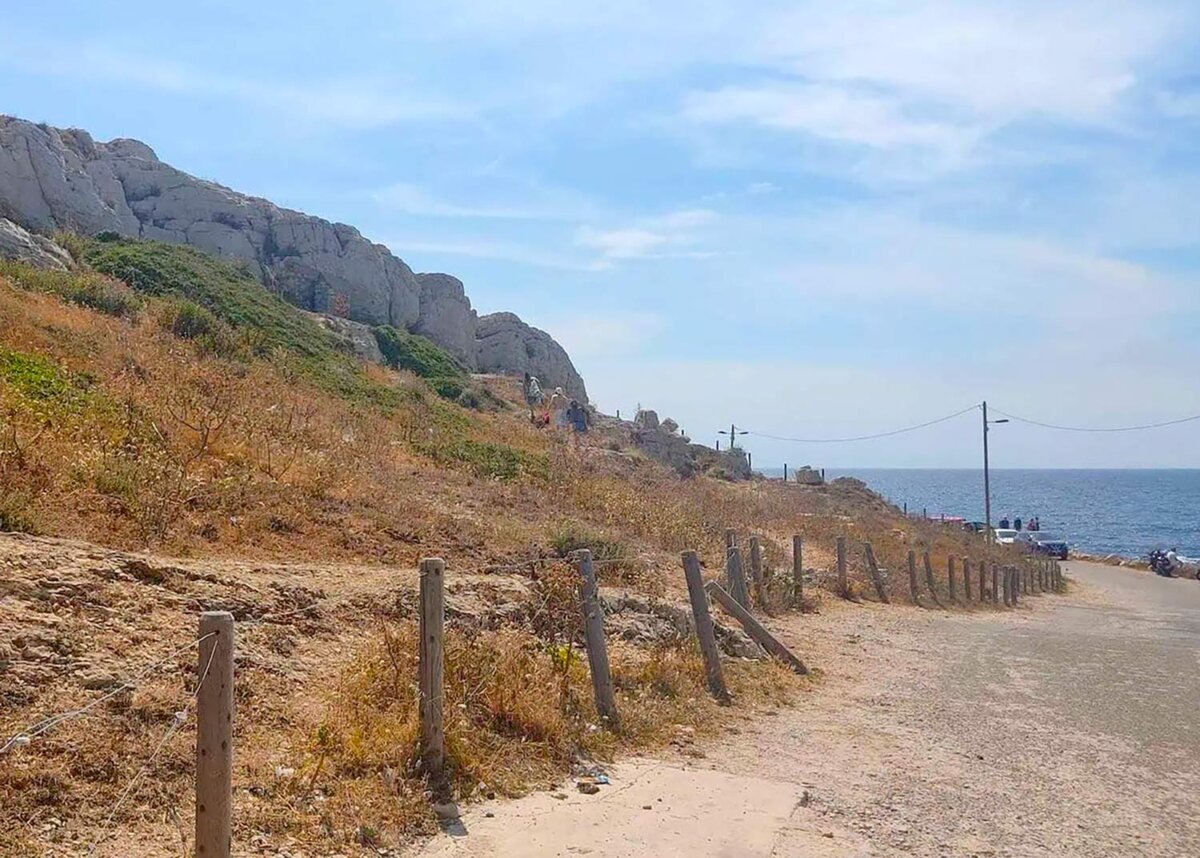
(445, 316)
(646, 419)
(505, 344)
(20, 244)
(353, 337)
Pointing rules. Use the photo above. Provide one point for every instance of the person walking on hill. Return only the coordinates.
(558, 409)
(1017, 523)
(1004, 523)
(534, 397)
(577, 419)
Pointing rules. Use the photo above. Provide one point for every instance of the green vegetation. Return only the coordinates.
(569, 536)
(491, 461)
(402, 350)
(207, 289)
(38, 380)
(84, 288)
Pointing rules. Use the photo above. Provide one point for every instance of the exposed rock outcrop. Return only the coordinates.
(20, 244)
(446, 317)
(506, 344)
(63, 179)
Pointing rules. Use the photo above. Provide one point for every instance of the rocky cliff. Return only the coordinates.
(63, 179)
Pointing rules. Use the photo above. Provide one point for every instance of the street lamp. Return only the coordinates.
(733, 433)
(987, 483)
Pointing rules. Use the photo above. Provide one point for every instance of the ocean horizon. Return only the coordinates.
(1124, 511)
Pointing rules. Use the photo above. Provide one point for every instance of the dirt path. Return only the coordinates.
(1069, 727)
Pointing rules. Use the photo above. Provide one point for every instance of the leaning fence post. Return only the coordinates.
(593, 636)
(876, 573)
(704, 628)
(952, 577)
(756, 572)
(797, 571)
(912, 578)
(931, 581)
(996, 584)
(737, 576)
(754, 628)
(967, 579)
(432, 663)
(214, 736)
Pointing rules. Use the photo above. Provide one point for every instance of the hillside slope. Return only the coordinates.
(54, 179)
(168, 409)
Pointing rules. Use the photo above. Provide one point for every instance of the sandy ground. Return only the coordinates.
(1067, 727)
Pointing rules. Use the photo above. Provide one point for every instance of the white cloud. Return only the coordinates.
(661, 236)
(831, 112)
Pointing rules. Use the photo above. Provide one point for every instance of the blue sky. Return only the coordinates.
(814, 219)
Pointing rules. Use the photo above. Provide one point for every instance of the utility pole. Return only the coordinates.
(987, 481)
(733, 433)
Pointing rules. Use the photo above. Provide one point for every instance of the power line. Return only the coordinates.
(867, 437)
(1099, 429)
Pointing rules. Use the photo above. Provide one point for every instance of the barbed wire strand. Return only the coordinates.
(38, 728)
(871, 437)
(177, 722)
(1138, 428)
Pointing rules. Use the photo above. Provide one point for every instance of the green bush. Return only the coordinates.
(571, 536)
(402, 350)
(84, 288)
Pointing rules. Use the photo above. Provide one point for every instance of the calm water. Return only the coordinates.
(1124, 512)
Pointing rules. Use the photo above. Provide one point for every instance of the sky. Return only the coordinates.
(814, 220)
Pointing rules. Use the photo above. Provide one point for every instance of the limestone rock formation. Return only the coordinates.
(506, 344)
(63, 179)
(24, 246)
(446, 317)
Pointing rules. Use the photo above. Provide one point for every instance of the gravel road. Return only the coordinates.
(1069, 727)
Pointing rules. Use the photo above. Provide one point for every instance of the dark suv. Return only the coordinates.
(1045, 543)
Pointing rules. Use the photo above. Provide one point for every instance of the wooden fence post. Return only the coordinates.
(1016, 586)
(967, 579)
(730, 538)
(912, 578)
(929, 579)
(982, 580)
(432, 664)
(951, 576)
(995, 584)
(876, 573)
(593, 636)
(797, 571)
(704, 628)
(214, 736)
(737, 576)
(756, 573)
(843, 578)
(754, 628)
(1007, 584)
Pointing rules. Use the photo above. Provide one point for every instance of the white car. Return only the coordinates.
(1004, 536)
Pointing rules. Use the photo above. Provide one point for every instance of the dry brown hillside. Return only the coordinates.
(168, 449)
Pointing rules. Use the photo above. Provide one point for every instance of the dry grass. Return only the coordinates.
(116, 431)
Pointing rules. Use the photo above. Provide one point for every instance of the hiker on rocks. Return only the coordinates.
(577, 418)
(558, 409)
(534, 397)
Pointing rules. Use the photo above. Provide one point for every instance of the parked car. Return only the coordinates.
(1005, 536)
(1045, 543)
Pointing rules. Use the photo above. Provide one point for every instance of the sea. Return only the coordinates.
(1124, 512)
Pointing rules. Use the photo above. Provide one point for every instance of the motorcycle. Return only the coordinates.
(1160, 565)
